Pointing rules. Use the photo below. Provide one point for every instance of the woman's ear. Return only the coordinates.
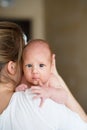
(12, 67)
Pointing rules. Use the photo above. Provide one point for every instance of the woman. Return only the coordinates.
(17, 109)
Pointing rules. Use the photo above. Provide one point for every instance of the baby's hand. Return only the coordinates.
(21, 87)
(41, 92)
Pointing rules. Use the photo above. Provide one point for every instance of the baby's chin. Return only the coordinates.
(35, 83)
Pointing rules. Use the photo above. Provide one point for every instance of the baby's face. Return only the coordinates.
(37, 65)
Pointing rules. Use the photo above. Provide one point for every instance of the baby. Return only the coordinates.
(38, 61)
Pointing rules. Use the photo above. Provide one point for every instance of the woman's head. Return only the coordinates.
(11, 46)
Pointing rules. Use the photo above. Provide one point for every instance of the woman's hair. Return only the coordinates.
(11, 43)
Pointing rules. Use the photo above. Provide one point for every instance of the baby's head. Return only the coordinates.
(37, 61)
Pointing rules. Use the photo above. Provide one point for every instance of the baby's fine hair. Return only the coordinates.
(40, 42)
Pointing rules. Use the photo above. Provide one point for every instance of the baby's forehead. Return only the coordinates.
(37, 46)
(36, 51)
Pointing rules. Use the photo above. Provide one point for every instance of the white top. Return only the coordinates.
(24, 113)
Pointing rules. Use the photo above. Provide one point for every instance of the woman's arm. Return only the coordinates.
(72, 103)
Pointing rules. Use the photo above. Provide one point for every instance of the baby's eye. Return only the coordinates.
(29, 65)
(41, 65)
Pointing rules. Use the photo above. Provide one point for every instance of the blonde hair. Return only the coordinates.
(11, 43)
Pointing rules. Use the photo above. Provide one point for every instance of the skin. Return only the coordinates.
(71, 102)
(13, 70)
(36, 64)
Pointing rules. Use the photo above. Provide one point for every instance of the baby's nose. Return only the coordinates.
(35, 69)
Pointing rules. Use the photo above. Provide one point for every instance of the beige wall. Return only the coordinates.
(64, 24)
(66, 30)
(27, 9)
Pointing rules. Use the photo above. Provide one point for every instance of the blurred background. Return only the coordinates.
(63, 23)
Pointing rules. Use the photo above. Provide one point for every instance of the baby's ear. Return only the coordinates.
(53, 68)
(12, 67)
(53, 59)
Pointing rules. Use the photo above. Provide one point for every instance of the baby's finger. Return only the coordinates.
(40, 83)
(36, 90)
(35, 97)
(35, 87)
(42, 102)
